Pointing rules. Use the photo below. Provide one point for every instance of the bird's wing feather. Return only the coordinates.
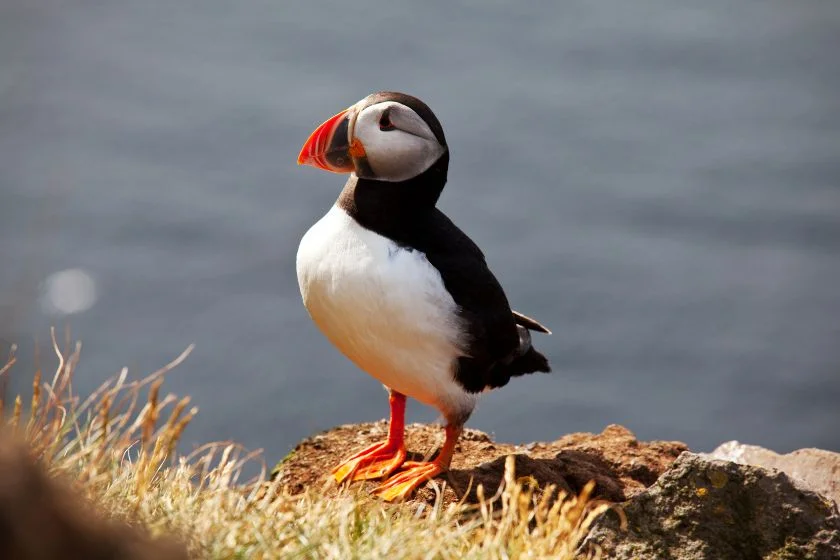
(492, 337)
(529, 323)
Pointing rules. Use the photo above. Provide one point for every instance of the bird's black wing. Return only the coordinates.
(495, 346)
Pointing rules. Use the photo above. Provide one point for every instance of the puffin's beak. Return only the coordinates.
(328, 147)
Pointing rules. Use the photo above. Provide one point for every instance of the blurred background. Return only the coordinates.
(656, 181)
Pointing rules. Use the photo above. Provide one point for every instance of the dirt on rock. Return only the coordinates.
(621, 465)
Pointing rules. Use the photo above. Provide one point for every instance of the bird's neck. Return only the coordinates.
(384, 206)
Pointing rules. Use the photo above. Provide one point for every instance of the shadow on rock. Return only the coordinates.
(621, 465)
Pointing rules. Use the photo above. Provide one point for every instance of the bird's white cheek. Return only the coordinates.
(391, 159)
(402, 158)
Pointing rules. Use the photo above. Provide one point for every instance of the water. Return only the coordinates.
(659, 183)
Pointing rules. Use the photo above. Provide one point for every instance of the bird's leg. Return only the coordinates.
(380, 459)
(413, 473)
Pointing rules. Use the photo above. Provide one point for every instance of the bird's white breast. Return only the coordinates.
(385, 307)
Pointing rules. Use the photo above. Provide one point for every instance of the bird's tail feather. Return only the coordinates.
(528, 360)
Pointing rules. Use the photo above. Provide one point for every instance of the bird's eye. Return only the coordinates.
(385, 121)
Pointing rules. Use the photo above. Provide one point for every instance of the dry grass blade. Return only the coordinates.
(123, 458)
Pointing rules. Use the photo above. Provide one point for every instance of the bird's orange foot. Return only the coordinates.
(404, 483)
(377, 461)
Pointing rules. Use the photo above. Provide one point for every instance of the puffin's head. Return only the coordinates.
(387, 136)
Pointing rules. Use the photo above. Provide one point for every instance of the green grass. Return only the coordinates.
(119, 446)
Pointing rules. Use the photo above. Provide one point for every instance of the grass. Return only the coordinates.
(119, 445)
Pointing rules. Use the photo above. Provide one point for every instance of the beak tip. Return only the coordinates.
(327, 138)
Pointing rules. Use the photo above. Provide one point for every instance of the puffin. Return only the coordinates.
(400, 290)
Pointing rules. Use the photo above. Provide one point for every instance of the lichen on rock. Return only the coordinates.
(711, 509)
(816, 469)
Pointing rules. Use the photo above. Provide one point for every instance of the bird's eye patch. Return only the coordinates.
(385, 120)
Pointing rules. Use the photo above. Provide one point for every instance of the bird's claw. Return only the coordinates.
(407, 480)
(377, 461)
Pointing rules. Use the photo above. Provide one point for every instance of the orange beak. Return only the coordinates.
(328, 148)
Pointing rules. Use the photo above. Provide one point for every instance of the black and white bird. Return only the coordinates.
(398, 288)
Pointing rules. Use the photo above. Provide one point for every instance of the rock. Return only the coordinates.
(621, 465)
(816, 469)
(43, 519)
(710, 509)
